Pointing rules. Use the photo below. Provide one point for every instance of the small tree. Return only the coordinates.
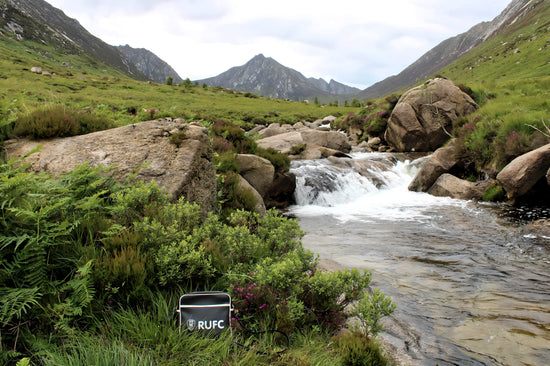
(187, 83)
(356, 103)
(169, 80)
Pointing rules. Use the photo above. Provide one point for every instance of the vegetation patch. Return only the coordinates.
(494, 193)
(90, 262)
(59, 121)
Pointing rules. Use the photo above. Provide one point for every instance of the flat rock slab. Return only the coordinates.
(183, 168)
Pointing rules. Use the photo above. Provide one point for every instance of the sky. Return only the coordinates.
(355, 42)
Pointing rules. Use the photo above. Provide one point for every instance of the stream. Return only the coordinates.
(470, 288)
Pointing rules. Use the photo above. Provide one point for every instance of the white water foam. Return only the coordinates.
(352, 196)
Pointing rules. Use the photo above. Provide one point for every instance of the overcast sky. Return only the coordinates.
(351, 41)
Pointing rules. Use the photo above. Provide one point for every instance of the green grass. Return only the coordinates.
(86, 84)
(136, 338)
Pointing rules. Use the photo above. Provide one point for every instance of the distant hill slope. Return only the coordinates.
(449, 51)
(517, 52)
(265, 76)
(150, 64)
(39, 21)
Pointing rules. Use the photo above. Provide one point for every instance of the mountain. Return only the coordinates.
(265, 76)
(39, 21)
(150, 64)
(449, 51)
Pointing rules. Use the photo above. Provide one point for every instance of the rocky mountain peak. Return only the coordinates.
(150, 64)
(265, 76)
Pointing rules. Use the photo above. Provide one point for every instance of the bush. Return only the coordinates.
(370, 309)
(226, 162)
(280, 161)
(358, 350)
(59, 121)
(298, 149)
(236, 137)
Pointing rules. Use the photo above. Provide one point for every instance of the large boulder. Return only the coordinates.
(257, 171)
(329, 139)
(448, 185)
(518, 177)
(275, 129)
(285, 142)
(440, 162)
(422, 119)
(183, 167)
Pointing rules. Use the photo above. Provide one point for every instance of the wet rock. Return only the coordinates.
(448, 185)
(523, 173)
(440, 162)
(281, 192)
(539, 229)
(374, 143)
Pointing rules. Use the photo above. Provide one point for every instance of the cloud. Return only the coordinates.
(349, 41)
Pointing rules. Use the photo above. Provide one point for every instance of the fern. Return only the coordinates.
(81, 286)
(16, 301)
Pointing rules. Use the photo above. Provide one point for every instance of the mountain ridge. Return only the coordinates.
(267, 77)
(150, 64)
(64, 32)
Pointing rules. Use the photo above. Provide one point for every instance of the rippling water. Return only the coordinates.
(470, 289)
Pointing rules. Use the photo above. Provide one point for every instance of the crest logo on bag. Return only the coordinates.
(191, 324)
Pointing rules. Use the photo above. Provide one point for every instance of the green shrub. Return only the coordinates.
(226, 162)
(280, 161)
(139, 201)
(126, 270)
(59, 121)
(371, 308)
(62, 277)
(235, 135)
(358, 350)
(183, 262)
(298, 149)
(178, 137)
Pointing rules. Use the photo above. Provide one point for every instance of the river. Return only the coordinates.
(470, 288)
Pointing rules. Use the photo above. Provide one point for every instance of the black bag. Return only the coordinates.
(207, 312)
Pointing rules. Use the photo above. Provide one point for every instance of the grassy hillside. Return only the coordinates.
(510, 77)
(83, 83)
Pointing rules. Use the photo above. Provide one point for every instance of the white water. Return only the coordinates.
(470, 290)
(357, 198)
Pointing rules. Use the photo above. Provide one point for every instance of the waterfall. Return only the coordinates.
(368, 185)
